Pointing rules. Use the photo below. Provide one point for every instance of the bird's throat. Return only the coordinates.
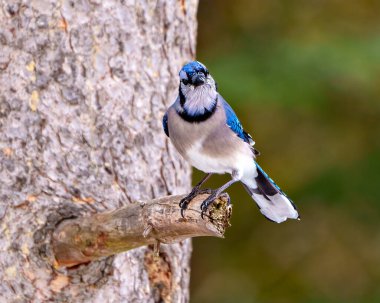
(198, 116)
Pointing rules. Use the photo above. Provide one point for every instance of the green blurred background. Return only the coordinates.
(304, 79)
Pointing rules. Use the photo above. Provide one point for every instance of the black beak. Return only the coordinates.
(199, 79)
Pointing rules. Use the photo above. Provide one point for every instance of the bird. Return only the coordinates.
(206, 132)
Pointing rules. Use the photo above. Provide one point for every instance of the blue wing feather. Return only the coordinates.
(232, 120)
(234, 123)
(165, 124)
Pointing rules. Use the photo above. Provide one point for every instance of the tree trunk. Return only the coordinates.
(83, 87)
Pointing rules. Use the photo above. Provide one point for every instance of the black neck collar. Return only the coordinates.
(198, 117)
(182, 98)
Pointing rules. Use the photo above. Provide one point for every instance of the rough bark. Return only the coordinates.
(83, 87)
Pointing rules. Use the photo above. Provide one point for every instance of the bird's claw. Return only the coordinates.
(183, 212)
(206, 203)
(185, 201)
(183, 205)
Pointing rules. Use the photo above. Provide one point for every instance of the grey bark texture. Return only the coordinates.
(83, 87)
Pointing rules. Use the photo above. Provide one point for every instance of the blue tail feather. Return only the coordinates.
(272, 201)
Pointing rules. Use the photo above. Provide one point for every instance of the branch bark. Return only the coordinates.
(81, 240)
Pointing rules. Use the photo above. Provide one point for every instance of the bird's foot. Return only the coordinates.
(185, 201)
(206, 203)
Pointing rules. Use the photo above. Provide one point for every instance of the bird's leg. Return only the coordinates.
(215, 194)
(185, 201)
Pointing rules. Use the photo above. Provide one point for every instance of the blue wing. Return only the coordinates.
(234, 123)
(165, 124)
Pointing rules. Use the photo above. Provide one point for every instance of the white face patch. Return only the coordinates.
(183, 75)
(200, 98)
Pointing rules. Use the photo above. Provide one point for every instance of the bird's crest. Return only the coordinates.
(193, 67)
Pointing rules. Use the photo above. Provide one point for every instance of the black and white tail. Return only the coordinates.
(272, 201)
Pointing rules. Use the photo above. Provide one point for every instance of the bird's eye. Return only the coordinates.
(184, 81)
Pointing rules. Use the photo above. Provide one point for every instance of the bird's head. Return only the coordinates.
(194, 74)
(197, 89)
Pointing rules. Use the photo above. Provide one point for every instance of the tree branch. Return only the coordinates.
(84, 239)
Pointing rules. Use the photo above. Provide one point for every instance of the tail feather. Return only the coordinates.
(271, 200)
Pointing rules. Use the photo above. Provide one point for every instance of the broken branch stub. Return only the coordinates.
(84, 239)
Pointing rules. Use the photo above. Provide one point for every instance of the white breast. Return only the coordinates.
(239, 162)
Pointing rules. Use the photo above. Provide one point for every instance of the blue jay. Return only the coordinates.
(206, 132)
